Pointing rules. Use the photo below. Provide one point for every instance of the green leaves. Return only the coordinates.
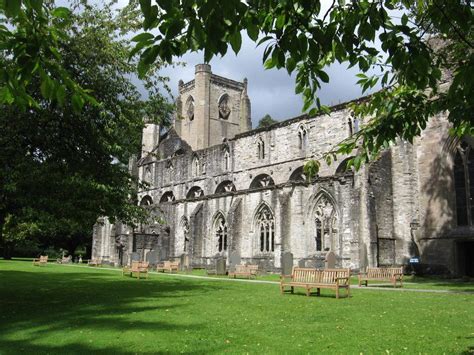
(12, 7)
(236, 41)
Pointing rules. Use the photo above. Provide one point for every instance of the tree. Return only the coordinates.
(266, 121)
(304, 36)
(64, 164)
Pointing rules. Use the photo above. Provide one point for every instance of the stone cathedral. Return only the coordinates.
(218, 187)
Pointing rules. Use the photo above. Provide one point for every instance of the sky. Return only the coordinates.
(270, 91)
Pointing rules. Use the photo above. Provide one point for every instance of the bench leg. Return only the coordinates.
(337, 292)
(318, 291)
(308, 292)
(292, 289)
(348, 291)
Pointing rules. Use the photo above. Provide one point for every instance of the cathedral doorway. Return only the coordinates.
(465, 258)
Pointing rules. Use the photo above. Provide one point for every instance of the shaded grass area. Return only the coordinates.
(58, 309)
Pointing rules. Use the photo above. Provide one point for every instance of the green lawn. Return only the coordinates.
(67, 309)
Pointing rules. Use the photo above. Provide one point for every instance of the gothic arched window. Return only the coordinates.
(220, 231)
(226, 160)
(147, 175)
(325, 224)
(196, 166)
(464, 185)
(224, 107)
(265, 227)
(302, 137)
(190, 108)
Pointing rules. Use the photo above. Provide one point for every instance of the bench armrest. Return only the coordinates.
(342, 278)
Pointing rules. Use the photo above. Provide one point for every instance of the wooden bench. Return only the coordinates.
(64, 260)
(137, 268)
(392, 274)
(244, 271)
(42, 260)
(170, 266)
(94, 262)
(313, 278)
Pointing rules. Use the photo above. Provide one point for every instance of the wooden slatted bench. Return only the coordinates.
(170, 266)
(94, 262)
(313, 278)
(137, 268)
(392, 274)
(244, 271)
(42, 260)
(64, 260)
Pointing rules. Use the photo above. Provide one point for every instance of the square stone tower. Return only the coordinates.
(211, 108)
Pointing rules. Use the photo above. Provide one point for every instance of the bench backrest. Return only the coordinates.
(140, 265)
(170, 264)
(329, 276)
(383, 272)
(326, 276)
(43, 259)
(251, 269)
(304, 275)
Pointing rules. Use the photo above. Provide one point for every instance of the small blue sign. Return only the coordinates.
(414, 260)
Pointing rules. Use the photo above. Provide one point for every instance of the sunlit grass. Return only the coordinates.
(61, 309)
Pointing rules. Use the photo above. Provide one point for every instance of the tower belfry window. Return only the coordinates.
(224, 107)
(302, 137)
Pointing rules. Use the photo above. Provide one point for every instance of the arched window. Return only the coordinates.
(325, 216)
(196, 166)
(184, 224)
(226, 160)
(302, 137)
(464, 184)
(342, 168)
(225, 187)
(168, 196)
(146, 201)
(220, 231)
(262, 180)
(265, 227)
(224, 107)
(260, 148)
(147, 175)
(190, 108)
(195, 192)
(170, 169)
(298, 175)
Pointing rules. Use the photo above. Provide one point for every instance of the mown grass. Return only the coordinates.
(68, 309)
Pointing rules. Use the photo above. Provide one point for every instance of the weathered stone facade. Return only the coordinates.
(222, 188)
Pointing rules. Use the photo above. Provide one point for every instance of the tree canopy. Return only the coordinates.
(266, 121)
(64, 164)
(387, 40)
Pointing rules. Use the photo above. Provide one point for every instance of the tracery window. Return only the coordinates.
(302, 137)
(265, 226)
(325, 224)
(190, 108)
(464, 185)
(220, 229)
(224, 107)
